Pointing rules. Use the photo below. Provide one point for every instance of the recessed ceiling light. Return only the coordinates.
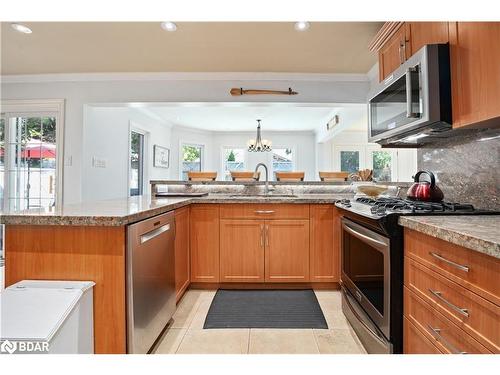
(301, 25)
(168, 26)
(21, 28)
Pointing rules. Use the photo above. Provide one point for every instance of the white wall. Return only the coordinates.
(106, 136)
(406, 158)
(303, 144)
(81, 89)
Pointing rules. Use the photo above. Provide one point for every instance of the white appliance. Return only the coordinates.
(41, 316)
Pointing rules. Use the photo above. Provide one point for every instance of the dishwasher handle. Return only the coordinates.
(154, 233)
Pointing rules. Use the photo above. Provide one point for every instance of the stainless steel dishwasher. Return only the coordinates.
(150, 280)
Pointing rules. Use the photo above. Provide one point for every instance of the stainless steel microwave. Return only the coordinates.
(413, 105)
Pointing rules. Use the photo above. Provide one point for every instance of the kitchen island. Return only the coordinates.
(88, 241)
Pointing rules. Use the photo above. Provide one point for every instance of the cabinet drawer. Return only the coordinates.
(414, 342)
(472, 313)
(264, 211)
(446, 336)
(473, 270)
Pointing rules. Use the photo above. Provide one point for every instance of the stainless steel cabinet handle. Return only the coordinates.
(451, 263)
(264, 212)
(436, 333)
(154, 233)
(262, 235)
(267, 235)
(459, 310)
(409, 102)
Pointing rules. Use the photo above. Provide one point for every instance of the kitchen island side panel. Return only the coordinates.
(76, 253)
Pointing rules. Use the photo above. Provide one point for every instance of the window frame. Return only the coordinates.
(181, 155)
(40, 107)
(222, 164)
(136, 128)
(270, 158)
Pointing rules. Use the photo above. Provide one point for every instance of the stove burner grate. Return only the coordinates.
(399, 204)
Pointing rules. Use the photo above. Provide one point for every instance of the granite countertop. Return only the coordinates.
(117, 212)
(480, 233)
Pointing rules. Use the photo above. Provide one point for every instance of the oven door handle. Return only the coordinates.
(364, 237)
(374, 333)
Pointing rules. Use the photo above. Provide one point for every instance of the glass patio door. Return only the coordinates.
(28, 161)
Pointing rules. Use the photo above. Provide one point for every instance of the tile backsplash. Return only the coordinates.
(467, 167)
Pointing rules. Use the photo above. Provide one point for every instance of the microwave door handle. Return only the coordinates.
(409, 102)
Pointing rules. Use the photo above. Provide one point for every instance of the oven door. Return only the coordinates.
(366, 271)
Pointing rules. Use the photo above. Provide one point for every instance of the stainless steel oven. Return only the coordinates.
(366, 281)
(413, 104)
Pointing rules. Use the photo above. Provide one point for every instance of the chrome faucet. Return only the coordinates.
(266, 188)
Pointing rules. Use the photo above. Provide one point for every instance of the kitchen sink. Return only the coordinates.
(250, 196)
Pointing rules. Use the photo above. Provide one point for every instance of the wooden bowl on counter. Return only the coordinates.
(372, 190)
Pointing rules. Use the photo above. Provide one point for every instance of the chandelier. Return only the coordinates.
(259, 144)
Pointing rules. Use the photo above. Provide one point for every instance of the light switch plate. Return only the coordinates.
(98, 162)
(68, 161)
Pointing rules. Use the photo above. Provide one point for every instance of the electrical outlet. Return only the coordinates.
(98, 162)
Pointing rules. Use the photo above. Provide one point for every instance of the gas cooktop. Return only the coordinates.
(380, 207)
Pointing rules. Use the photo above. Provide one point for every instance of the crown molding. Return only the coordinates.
(184, 76)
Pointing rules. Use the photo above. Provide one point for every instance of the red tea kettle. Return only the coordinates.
(424, 190)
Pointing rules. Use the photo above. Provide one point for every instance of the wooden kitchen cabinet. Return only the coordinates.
(455, 291)
(242, 250)
(182, 266)
(324, 244)
(393, 53)
(418, 34)
(474, 55)
(287, 251)
(204, 243)
(475, 73)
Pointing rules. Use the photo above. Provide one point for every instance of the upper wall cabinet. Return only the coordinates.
(475, 73)
(393, 53)
(474, 56)
(406, 39)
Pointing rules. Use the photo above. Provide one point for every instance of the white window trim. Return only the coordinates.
(13, 107)
(222, 161)
(294, 160)
(181, 156)
(136, 128)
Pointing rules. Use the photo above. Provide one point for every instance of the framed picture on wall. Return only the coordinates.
(161, 156)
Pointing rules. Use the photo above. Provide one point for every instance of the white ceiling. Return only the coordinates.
(242, 116)
(90, 47)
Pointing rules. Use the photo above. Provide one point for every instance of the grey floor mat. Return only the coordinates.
(265, 309)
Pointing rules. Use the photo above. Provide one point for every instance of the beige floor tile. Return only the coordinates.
(338, 341)
(336, 319)
(215, 341)
(282, 341)
(186, 309)
(201, 314)
(170, 341)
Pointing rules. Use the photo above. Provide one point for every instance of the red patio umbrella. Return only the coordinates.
(37, 150)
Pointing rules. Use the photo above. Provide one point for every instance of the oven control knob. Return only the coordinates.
(381, 211)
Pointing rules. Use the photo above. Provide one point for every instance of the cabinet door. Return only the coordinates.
(393, 53)
(422, 33)
(475, 72)
(324, 260)
(287, 250)
(181, 251)
(204, 233)
(242, 250)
